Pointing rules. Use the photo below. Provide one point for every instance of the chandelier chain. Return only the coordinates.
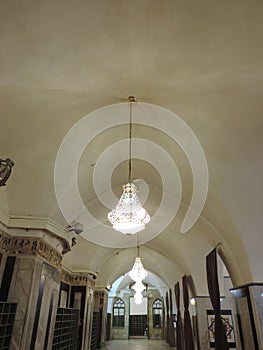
(130, 141)
(129, 217)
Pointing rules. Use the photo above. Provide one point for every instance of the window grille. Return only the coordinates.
(157, 313)
(118, 314)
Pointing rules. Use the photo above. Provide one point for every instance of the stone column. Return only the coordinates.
(85, 282)
(150, 317)
(89, 318)
(104, 319)
(256, 292)
(101, 298)
(249, 304)
(34, 286)
(202, 304)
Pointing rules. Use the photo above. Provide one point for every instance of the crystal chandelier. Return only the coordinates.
(138, 274)
(139, 288)
(129, 217)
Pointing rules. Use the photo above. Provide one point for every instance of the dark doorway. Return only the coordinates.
(138, 326)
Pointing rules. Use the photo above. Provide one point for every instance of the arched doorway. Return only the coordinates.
(128, 320)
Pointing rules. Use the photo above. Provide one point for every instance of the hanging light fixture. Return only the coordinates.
(138, 274)
(129, 217)
(139, 288)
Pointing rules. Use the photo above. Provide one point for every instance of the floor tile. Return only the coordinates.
(137, 344)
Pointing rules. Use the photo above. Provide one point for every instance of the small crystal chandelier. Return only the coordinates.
(129, 217)
(138, 274)
(139, 288)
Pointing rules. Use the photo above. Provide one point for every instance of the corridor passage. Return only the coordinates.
(137, 344)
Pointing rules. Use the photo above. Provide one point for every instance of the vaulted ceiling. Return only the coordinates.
(66, 68)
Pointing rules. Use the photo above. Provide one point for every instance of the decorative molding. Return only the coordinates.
(251, 284)
(36, 223)
(78, 279)
(4, 219)
(30, 246)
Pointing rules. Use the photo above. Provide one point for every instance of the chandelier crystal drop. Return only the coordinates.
(138, 298)
(138, 287)
(129, 217)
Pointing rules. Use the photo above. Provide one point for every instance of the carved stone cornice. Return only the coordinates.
(78, 279)
(11, 224)
(30, 246)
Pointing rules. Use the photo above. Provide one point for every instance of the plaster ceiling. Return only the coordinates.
(61, 61)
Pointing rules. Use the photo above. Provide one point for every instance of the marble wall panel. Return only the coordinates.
(256, 294)
(245, 322)
(87, 326)
(202, 304)
(2, 265)
(32, 314)
(49, 302)
(23, 288)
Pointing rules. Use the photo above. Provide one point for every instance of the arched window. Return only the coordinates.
(118, 313)
(157, 313)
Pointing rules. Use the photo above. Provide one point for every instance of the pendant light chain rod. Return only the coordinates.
(129, 217)
(130, 136)
(131, 100)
